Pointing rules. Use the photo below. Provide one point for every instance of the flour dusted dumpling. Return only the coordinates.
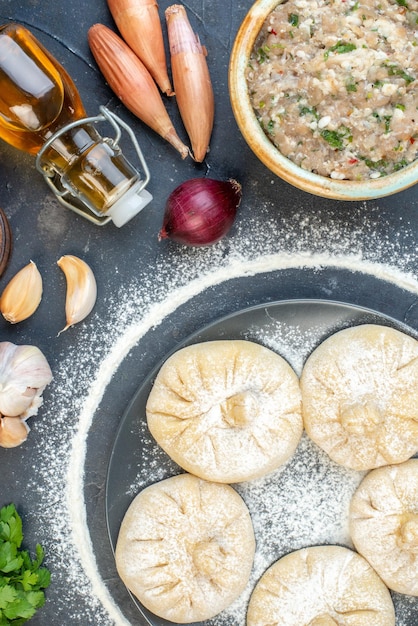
(186, 547)
(360, 396)
(227, 410)
(384, 524)
(321, 586)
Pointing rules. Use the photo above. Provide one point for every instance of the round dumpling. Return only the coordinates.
(321, 586)
(384, 524)
(226, 411)
(185, 548)
(360, 396)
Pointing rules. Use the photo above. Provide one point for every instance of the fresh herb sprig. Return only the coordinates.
(22, 580)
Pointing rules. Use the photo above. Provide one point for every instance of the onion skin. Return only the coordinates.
(200, 211)
(130, 80)
(139, 24)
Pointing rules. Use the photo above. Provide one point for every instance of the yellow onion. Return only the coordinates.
(200, 211)
(130, 80)
(191, 79)
(139, 24)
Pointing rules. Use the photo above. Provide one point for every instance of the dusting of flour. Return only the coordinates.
(303, 503)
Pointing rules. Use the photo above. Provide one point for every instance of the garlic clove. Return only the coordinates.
(24, 374)
(22, 295)
(81, 289)
(13, 432)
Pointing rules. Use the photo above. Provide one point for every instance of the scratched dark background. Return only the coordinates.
(43, 230)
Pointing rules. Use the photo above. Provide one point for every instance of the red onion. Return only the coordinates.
(200, 211)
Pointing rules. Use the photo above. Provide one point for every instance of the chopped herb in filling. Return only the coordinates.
(339, 101)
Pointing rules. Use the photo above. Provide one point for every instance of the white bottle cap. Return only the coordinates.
(129, 205)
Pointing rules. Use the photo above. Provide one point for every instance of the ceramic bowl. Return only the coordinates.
(264, 149)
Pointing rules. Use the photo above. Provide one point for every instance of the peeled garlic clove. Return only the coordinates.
(13, 432)
(81, 289)
(24, 374)
(22, 295)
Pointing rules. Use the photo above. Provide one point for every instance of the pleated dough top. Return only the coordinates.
(321, 586)
(226, 411)
(384, 524)
(360, 396)
(186, 548)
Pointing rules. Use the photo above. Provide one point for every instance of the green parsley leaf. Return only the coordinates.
(293, 19)
(395, 70)
(270, 127)
(351, 87)
(337, 138)
(22, 579)
(262, 54)
(7, 595)
(398, 166)
(333, 138)
(10, 525)
(379, 166)
(341, 47)
(305, 110)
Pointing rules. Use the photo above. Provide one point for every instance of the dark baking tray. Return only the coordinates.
(275, 325)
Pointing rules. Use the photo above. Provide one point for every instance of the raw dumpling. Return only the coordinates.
(226, 411)
(185, 548)
(321, 586)
(384, 524)
(360, 396)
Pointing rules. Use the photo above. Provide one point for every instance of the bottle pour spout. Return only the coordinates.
(129, 205)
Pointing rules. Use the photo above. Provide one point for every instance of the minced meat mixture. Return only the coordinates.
(334, 85)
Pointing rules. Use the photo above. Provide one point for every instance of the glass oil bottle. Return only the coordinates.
(41, 113)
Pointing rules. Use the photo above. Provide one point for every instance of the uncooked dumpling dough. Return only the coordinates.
(384, 524)
(185, 548)
(321, 586)
(360, 396)
(227, 411)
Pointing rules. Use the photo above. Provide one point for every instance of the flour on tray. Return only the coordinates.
(303, 503)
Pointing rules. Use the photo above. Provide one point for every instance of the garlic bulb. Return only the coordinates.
(13, 431)
(81, 289)
(24, 374)
(22, 295)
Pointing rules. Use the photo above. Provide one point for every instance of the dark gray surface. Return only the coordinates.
(44, 231)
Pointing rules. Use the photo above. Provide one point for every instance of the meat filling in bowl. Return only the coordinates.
(334, 85)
